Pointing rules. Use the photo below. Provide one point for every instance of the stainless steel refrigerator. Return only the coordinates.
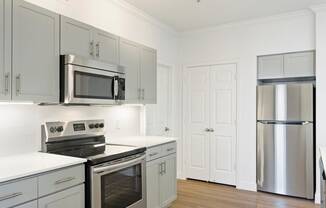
(285, 139)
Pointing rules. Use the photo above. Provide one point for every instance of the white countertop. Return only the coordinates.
(19, 166)
(142, 141)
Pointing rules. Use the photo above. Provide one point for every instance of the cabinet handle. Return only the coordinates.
(64, 180)
(139, 93)
(153, 154)
(164, 168)
(98, 49)
(211, 130)
(7, 83)
(161, 169)
(10, 196)
(170, 149)
(207, 130)
(18, 84)
(143, 94)
(91, 48)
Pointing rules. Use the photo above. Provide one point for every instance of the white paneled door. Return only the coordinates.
(211, 123)
(197, 122)
(158, 116)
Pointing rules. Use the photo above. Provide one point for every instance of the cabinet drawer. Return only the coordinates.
(169, 148)
(61, 180)
(154, 153)
(18, 192)
(32, 204)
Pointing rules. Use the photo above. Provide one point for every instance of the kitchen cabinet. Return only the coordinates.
(290, 65)
(148, 75)
(270, 67)
(299, 64)
(32, 204)
(73, 197)
(35, 53)
(130, 60)
(161, 176)
(5, 49)
(141, 68)
(78, 38)
(56, 189)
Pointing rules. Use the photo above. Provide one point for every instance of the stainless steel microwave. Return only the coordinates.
(90, 82)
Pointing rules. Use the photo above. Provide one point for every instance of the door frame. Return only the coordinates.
(184, 109)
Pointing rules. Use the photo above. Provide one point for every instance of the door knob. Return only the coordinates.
(211, 130)
(166, 129)
(207, 130)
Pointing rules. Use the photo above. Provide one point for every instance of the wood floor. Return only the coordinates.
(195, 194)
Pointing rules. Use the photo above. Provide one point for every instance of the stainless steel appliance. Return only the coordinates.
(86, 81)
(285, 139)
(115, 174)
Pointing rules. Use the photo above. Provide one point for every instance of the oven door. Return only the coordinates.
(120, 184)
(89, 86)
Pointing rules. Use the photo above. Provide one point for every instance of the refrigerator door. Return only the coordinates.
(285, 102)
(285, 159)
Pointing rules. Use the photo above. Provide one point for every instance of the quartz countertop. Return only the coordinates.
(24, 165)
(142, 141)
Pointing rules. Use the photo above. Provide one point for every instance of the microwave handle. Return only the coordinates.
(116, 86)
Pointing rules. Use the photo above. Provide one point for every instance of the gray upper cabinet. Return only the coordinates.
(148, 75)
(290, 65)
(5, 49)
(76, 38)
(130, 60)
(35, 55)
(106, 46)
(270, 67)
(299, 64)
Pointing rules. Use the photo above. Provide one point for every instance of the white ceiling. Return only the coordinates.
(185, 15)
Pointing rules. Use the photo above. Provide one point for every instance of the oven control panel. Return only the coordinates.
(73, 128)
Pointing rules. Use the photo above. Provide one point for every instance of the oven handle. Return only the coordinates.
(116, 86)
(118, 166)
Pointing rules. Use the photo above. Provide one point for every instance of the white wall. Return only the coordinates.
(20, 124)
(243, 42)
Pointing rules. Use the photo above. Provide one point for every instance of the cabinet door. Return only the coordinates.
(153, 183)
(168, 181)
(5, 49)
(299, 64)
(35, 63)
(76, 38)
(106, 46)
(148, 75)
(73, 197)
(130, 60)
(32, 204)
(270, 67)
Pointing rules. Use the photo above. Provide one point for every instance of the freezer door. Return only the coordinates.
(285, 159)
(285, 102)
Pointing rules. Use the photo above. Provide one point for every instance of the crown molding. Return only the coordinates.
(143, 15)
(304, 12)
(318, 8)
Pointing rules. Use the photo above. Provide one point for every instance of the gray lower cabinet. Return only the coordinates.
(161, 177)
(76, 38)
(290, 65)
(35, 53)
(5, 49)
(73, 197)
(141, 68)
(57, 189)
(148, 75)
(32, 204)
(84, 40)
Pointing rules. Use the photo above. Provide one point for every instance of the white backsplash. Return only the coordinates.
(20, 125)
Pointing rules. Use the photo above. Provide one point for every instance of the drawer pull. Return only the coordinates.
(170, 149)
(14, 195)
(64, 180)
(153, 154)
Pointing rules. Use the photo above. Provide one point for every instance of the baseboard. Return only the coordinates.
(245, 185)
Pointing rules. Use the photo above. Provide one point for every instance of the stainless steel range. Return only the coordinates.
(115, 174)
